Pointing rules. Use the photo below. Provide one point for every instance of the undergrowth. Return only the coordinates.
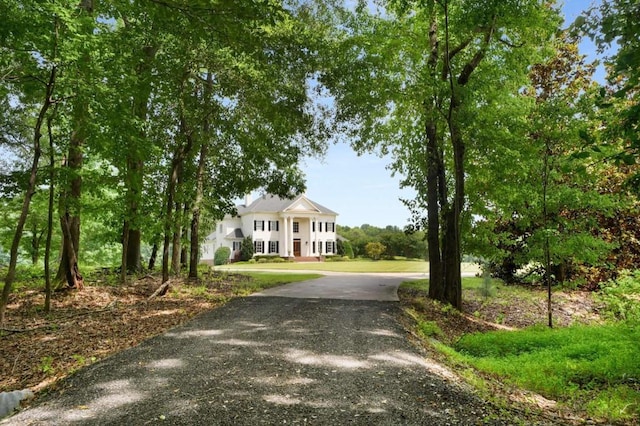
(594, 366)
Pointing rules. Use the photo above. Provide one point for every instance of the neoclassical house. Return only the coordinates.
(289, 228)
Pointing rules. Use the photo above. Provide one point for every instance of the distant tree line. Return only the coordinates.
(396, 241)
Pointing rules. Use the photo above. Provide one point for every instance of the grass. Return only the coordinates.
(476, 288)
(353, 266)
(594, 366)
(592, 369)
(263, 280)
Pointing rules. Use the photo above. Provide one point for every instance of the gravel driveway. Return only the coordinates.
(269, 360)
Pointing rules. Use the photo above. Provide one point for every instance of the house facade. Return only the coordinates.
(289, 228)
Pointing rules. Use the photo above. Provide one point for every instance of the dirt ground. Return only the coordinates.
(509, 311)
(87, 325)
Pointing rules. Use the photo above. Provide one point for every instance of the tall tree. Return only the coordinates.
(49, 44)
(418, 76)
(613, 25)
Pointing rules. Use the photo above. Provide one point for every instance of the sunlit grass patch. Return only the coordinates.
(596, 363)
(263, 280)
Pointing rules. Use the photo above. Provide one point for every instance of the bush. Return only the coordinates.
(621, 297)
(221, 256)
(246, 249)
(268, 258)
(348, 249)
(374, 250)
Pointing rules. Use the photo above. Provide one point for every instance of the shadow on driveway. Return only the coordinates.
(267, 360)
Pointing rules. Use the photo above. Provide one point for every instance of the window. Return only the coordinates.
(237, 245)
(329, 248)
(258, 225)
(313, 246)
(313, 227)
(296, 227)
(319, 247)
(258, 246)
(319, 226)
(330, 227)
(274, 225)
(273, 247)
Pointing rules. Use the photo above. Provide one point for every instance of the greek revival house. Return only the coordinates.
(297, 228)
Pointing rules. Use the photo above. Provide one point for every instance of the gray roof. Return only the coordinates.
(236, 233)
(272, 204)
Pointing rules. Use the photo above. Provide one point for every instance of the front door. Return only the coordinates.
(296, 248)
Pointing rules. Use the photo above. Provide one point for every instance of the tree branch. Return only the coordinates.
(468, 69)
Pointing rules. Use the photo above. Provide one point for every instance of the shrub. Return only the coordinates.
(246, 249)
(429, 329)
(621, 297)
(348, 249)
(335, 258)
(374, 250)
(221, 255)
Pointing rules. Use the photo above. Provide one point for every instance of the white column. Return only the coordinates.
(290, 242)
(286, 238)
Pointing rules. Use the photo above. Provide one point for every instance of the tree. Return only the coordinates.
(374, 250)
(544, 208)
(246, 249)
(613, 24)
(46, 92)
(416, 80)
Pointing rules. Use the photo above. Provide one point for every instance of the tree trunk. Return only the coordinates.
(177, 230)
(436, 272)
(134, 180)
(125, 247)
(153, 257)
(195, 219)
(31, 187)
(70, 198)
(48, 289)
(72, 273)
(168, 220)
(194, 256)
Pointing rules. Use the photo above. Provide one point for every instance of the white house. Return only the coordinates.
(290, 228)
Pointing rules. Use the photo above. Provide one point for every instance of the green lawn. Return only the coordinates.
(379, 266)
(263, 280)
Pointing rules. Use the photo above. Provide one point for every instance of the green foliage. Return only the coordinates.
(46, 365)
(615, 23)
(429, 329)
(246, 249)
(348, 249)
(221, 255)
(566, 364)
(621, 297)
(374, 250)
(397, 242)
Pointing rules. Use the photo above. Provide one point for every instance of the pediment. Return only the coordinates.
(302, 205)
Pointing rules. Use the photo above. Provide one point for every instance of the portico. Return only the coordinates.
(288, 228)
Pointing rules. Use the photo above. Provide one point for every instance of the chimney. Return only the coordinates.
(247, 199)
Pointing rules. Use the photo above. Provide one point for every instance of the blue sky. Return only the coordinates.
(360, 188)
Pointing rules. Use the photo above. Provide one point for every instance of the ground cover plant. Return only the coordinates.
(585, 368)
(105, 317)
(595, 367)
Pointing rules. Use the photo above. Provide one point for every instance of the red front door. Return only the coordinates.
(296, 248)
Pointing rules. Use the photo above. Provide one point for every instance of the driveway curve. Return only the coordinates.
(271, 359)
(345, 286)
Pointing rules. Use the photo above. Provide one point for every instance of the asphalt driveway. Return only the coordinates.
(292, 355)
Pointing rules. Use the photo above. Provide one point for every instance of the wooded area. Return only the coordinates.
(127, 128)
